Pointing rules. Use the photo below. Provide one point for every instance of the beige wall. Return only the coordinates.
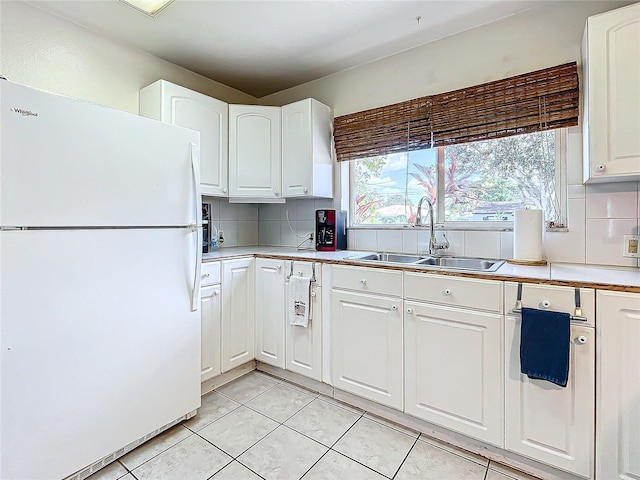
(537, 39)
(50, 53)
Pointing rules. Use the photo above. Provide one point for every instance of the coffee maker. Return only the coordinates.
(331, 230)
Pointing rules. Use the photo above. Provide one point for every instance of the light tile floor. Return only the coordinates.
(260, 427)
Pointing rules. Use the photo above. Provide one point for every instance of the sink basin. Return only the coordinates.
(457, 263)
(463, 263)
(387, 258)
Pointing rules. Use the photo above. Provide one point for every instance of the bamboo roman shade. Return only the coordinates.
(536, 101)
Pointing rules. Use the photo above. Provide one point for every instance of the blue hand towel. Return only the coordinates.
(544, 345)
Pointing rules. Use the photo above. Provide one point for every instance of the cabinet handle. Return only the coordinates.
(409, 310)
(313, 294)
(363, 281)
(581, 340)
(545, 304)
(224, 190)
(206, 275)
(600, 168)
(305, 190)
(276, 193)
(394, 307)
(279, 267)
(446, 291)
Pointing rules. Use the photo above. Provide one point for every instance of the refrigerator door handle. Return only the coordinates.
(195, 296)
(195, 169)
(197, 194)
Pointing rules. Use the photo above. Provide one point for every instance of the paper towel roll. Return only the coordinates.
(527, 235)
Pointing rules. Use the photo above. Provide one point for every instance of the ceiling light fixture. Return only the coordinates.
(148, 7)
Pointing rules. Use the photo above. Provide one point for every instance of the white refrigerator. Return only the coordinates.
(100, 216)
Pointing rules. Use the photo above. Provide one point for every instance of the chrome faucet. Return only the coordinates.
(434, 246)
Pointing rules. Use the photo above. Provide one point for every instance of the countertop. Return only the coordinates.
(591, 276)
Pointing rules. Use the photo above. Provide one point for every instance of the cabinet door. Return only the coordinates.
(238, 329)
(180, 106)
(548, 423)
(366, 348)
(254, 151)
(269, 311)
(613, 95)
(210, 328)
(454, 369)
(307, 169)
(618, 394)
(304, 345)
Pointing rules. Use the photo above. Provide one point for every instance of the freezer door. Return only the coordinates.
(66, 162)
(99, 343)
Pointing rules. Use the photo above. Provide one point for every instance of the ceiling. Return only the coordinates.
(262, 47)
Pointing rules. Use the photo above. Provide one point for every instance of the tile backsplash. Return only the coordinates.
(238, 221)
(598, 217)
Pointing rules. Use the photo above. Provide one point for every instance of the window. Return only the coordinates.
(483, 181)
(477, 153)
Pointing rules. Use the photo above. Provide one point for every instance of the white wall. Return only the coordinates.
(47, 52)
(598, 216)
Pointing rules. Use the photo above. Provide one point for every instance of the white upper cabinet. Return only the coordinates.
(254, 152)
(611, 82)
(307, 167)
(177, 105)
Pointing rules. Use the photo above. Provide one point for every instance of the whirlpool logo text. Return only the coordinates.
(24, 113)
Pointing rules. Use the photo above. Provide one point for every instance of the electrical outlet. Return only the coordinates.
(631, 243)
(220, 237)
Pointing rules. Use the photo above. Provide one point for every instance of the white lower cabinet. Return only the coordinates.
(546, 422)
(210, 311)
(618, 391)
(304, 345)
(270, 312)
(366, 346)
(238, 326)
(453, 372)
(210, 303)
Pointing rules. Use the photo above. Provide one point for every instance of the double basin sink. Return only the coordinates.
(454, 263)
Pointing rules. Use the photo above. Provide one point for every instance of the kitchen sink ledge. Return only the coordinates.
(626, 279)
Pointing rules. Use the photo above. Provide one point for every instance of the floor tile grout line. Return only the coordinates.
(208, 424)
(161, 452)
(315, 463)
(252, 398)
(359, 463)
(346, 431)
(456, 453)
(220, 469)
(405, 458)
(123, 465)
(390, 425)
(235, 457)
(340, 406)
(248, 468)
(276, 420)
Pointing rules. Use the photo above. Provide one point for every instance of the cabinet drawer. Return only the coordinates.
(305, 269)
(372, 280)
(210, 274)
(455, 291)
(551, 297)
